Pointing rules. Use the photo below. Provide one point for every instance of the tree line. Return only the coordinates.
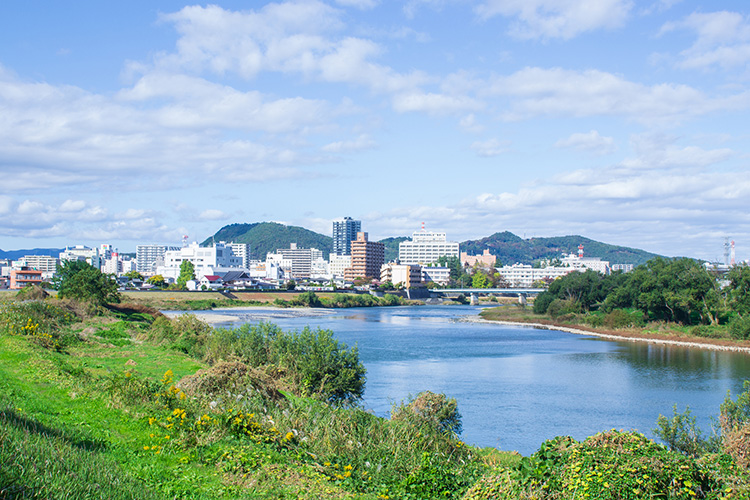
(679, 290)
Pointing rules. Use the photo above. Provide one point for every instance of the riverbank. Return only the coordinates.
(249, 313)
(663, 334)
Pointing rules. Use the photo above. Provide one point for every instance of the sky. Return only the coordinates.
(141, 122)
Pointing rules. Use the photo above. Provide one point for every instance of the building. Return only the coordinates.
(344, 232)
(205, 260)
(45, 263)
(338, 264)
(367, 258)
(148, 257)
(23, 277)
(242, 250)
(301, 259)
(524, 275)
(437, 274)
(81, 252)
(408, 275)
(484, 260)
(626, 268)
(579, 261)
(426, 247)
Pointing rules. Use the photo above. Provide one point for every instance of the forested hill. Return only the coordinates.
(509, 249)
(267, 237)
(391, 247)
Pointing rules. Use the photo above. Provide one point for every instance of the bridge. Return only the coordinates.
(522, 293)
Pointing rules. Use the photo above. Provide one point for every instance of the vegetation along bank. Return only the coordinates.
(100, 399)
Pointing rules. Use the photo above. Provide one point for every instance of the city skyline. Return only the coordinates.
(621, 121)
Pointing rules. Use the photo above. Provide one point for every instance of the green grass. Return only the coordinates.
(115, 406)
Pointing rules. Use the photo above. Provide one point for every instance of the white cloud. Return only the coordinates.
(490, 147)
(557, 18)
(561, 92)
(723, 40)
(364, 141)
(436, 104)
(360, 4)
(590, 141)
(212, 214)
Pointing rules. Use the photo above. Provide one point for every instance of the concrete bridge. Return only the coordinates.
(474, 293)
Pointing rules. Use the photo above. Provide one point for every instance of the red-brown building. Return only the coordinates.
(25, 276)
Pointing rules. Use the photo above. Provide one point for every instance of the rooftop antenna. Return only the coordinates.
(184, 240)
(423, 227)
(732, 261)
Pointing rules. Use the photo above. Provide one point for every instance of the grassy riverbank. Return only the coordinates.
(121, 402)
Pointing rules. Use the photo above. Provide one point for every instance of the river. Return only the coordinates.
(517, 386)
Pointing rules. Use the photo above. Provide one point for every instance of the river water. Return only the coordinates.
(517, 386)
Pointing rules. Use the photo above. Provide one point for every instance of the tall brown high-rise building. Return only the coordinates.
(367, 258)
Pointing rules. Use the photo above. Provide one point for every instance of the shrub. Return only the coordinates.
(623, 318)
(739, 327)
(436, 410)
(561, 307)
(542, 302)
(680, 433)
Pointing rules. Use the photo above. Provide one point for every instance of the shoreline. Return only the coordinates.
(214, 316)
(611, 336)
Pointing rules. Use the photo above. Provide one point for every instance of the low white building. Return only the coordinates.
(524, 275)
(205, 260)
(81, 252)
(437, 274)
(410, 276)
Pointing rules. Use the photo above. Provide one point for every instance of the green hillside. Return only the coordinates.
(510, 249)
(267, 237)
(391, 247)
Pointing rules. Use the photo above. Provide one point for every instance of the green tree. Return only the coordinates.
(134, 275)
(157, 280)
(81, 281)
(738, 291)
(187, 273)
(479, 280)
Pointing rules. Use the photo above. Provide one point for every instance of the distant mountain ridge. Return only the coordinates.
(17, 254)
(511, 249)
(265, 237)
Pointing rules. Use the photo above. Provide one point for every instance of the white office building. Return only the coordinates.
(205, 260)
(338, 263)
(81, 252)
(149, 257)
(426, 247)
(242, 250)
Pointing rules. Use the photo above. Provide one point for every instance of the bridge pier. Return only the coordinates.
(522, 299)
(474, 299)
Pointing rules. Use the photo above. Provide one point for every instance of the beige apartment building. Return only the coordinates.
(367, 258)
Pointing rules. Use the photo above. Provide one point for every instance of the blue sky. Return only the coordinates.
(620, 120)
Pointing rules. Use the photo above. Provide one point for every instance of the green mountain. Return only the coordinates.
(391, 247)
(267, 237)
(509, 249)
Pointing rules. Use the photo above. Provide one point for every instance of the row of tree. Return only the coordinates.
(677, 290)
